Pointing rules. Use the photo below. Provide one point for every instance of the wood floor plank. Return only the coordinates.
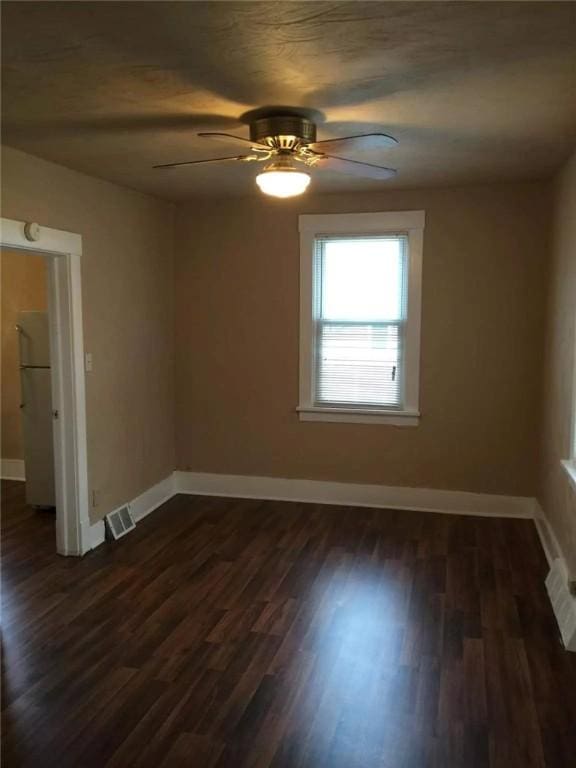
(226, 633)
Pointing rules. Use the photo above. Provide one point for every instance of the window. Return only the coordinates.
(360, 317)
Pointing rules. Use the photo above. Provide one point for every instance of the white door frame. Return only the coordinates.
(64, 250)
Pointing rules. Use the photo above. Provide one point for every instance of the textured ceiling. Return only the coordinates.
(474, 91)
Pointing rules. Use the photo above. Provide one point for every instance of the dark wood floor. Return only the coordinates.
(227, 633)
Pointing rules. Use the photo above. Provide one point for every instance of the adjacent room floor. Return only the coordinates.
(240, 633)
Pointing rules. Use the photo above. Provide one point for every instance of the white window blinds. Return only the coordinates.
(360, 296)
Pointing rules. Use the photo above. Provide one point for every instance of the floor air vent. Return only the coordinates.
(120, 522)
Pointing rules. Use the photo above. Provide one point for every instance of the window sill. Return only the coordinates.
(358, 416)
(570, 467)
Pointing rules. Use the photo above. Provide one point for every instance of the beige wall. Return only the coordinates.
(127, 291)
(556, 494)
(236, 312)
(237, 268)
(23, 281)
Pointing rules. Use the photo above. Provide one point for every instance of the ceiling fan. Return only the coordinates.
(287, 143)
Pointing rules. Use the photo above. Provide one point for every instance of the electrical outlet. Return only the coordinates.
(95, 497)
(88, 365)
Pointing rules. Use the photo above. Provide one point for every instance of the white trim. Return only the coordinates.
(97, 534)
(13, 469)
(73, 529)
(557, 581)
(563, 602)
(413, 315)
(411, 222)
(546, 534)
(377, 496)
(54, 241)
(352, 494)
(152, 498)
(573, 424)
(140, 507)
(360, 416)
(570, 467)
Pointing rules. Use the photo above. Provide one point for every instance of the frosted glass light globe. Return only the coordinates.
(284, 182)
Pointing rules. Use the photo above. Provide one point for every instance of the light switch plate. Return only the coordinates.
(88, 362)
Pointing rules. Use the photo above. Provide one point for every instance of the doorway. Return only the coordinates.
(27, 433)
(61, 252)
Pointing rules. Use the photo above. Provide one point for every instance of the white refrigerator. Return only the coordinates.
(36, 407)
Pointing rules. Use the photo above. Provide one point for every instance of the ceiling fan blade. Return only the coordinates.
(365, 141)
(231, 139)
(200, 162)
(355, 168)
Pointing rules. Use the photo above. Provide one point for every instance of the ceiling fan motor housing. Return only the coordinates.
(283, 131)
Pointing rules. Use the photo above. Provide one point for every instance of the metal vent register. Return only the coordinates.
(120, 522)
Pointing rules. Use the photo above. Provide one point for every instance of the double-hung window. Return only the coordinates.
(360, 317)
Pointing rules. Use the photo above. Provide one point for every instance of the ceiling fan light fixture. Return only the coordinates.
(282, 179)
(286, 141)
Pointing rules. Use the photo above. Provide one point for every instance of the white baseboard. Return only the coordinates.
(351, 494)
(379, 496)
(13, 469)
(97, 534)
(558, 580)
(139, 507)
(152, 498)
(319, 492)
(547, 536)
(563, 602)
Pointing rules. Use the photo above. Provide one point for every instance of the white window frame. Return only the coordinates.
(410, 223)
(570, 464)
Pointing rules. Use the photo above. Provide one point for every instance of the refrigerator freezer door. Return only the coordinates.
(34, 338)
(36, 410)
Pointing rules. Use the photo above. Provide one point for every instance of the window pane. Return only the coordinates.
(362, 278)
(358, 364)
